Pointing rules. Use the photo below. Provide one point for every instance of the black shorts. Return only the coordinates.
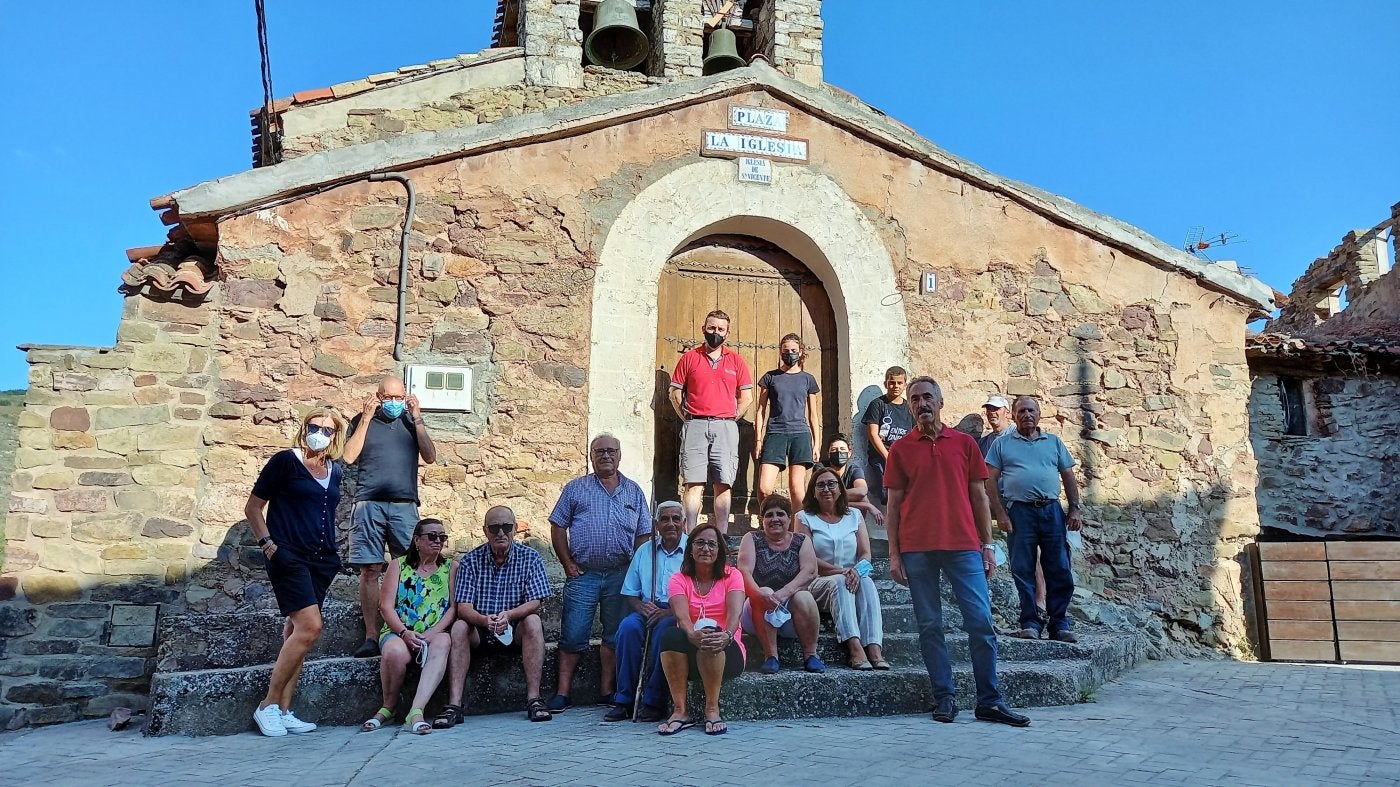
(785, 449)
(676, 641)
(487, 641)
(300, 580)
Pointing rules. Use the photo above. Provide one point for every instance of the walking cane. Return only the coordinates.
(642, 676)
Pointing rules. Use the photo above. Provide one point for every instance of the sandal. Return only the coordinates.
(673, 726)
(536, 711)
(450, 717)
(380, 717)
(880, 664)
(419, 727)
(862, 666)
(715, 727)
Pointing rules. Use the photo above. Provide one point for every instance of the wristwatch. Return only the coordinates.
(264, 541)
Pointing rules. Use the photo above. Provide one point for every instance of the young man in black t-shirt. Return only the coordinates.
(886, 420)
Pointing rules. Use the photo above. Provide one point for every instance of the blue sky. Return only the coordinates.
(1276, 121)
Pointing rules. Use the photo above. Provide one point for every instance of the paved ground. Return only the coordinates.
(1165, 723)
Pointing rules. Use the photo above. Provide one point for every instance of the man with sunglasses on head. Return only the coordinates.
(500, 585)
(596, 526)
(387, 438)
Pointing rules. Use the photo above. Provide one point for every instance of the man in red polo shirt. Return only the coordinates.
(710, 388)
(939, 523)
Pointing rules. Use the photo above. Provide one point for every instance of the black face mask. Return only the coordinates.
(838, 458)
(791, 359)
(713, 339)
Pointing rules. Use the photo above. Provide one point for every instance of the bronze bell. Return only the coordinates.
(617, 41)
(724, 52)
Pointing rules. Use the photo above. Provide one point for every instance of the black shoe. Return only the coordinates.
(1065, 636)
(558, 704)
(619, 713)
(648, 714)
(946, 710)
(368, 649)
(1002, 715)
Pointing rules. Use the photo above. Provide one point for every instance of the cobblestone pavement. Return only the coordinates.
(1164, 723)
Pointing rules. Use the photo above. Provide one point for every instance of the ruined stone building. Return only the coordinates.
(570, 225)
(1325, 372)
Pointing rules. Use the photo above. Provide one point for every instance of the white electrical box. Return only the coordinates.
(441, 387)
(929, 283)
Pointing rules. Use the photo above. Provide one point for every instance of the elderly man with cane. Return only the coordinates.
(641, 685)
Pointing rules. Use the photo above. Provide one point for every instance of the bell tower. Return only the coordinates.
(666, 39)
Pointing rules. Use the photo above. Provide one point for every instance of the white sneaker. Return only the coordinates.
(269, 721)
(295, 725)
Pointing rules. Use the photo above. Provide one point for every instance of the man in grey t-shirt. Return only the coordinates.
(387, 439)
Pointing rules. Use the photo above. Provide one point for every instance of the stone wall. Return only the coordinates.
(102, 513)
(1356, 263)
(368, 123)
(677, 39)
(549, 32)
(1342, 482)
(789, 33)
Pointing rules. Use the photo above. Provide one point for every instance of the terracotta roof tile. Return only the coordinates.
(173, 269)
(303, 96)
(1291, 345)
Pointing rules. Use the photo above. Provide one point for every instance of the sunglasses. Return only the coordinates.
(325, 430)
(828, 485)
(497, 530)
(437, 538)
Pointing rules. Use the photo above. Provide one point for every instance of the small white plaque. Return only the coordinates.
(733, 144)
(755, 170)
(929, 283)
(775, 120)
(447, 388)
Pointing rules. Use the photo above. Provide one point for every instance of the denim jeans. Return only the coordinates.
(1041, 527)
(631, 635)
(965, 573)
(592, 592)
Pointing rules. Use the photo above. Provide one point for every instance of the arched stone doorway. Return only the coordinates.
(768, 293)
(805, 213)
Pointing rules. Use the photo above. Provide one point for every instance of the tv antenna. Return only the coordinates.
(1198, 242)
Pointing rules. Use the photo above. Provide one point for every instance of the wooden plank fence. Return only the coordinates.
(1331, 601)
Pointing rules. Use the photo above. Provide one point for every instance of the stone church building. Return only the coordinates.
(568, 226)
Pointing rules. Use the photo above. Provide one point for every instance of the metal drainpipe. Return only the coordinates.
(380, 177)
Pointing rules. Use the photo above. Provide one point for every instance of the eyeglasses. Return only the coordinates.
(438, 538)
(828, 485)
(497, 530)
(325, 430)
(392, 399)
(608, 451)
(708, 546)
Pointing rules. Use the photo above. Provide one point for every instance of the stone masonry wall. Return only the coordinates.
(549, 32)
(102, 513)
(677, 39)
(482, 105)
(789, 32)
(1341, 483)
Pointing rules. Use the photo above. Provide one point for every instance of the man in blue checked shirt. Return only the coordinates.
(499, 587)
(598, 523)
(639, 635)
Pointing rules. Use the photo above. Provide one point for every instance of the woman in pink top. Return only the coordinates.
(706, 597)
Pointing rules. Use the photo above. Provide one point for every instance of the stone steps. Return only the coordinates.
(340, 690)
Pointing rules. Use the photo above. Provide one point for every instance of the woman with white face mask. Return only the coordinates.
(292, 514)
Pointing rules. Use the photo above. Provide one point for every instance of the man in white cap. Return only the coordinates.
(997, 411)
(645, 589)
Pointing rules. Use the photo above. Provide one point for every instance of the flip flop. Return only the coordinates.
(673, 726)
(380, 717)
(715, 727)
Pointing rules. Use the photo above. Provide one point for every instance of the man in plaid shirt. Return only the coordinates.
(499, 586)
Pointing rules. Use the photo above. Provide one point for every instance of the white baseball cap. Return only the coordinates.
(998, 401)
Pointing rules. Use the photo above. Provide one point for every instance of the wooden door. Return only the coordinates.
(767, 293)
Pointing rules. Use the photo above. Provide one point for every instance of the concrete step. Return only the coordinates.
(345, 691)
(904, 650)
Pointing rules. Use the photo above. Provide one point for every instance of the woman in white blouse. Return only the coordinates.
(843, 585)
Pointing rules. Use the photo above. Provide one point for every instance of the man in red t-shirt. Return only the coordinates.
(939, 524)
(710, 388)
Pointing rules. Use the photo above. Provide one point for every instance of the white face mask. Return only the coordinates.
(317, 441)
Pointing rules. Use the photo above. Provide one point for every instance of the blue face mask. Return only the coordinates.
(393, 409)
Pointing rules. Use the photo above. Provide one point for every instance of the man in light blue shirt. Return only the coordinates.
(644, 588)
(1030, 467)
